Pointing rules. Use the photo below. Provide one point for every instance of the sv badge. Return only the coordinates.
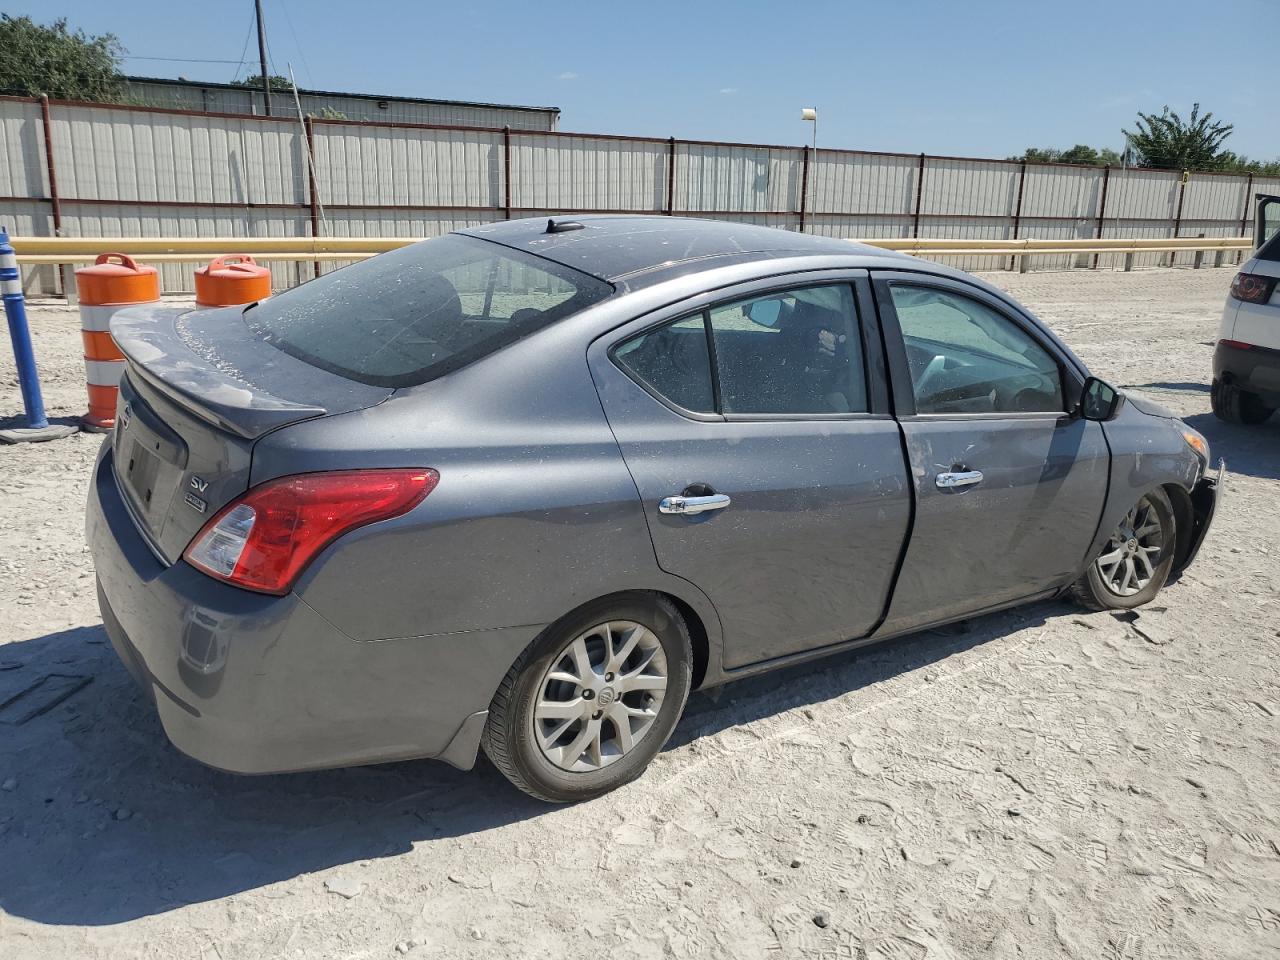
(198, 485)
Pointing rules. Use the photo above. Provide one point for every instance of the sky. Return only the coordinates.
(974, 78)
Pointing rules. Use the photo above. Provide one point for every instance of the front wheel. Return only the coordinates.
(592, 700)
(1135, 563)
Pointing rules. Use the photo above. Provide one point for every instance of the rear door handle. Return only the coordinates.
(685, 506)
(963, 478)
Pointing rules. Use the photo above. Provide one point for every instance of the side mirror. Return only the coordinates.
(764, 312)
(1100, 401)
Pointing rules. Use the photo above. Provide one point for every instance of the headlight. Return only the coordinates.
(1196, 441)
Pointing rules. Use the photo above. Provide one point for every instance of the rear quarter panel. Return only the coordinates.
(535, 512)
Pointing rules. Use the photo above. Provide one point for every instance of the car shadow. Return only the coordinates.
(1250, 450)
(102, 821)
(1187, 385)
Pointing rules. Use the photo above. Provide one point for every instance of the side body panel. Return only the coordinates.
(1146, 452)
(1028, 523)
(1025, 529)
(805, 554)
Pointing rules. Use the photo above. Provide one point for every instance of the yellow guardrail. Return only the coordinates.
(36, 250)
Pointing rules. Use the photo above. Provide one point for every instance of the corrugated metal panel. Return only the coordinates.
(140, 155)
(865, 183)
(970, 187)
(389, 165)
(860, 228)
(1052, 191)
(1206, 196)
(572, 173)
(22, 163)
(1142, 194)
(729, 178)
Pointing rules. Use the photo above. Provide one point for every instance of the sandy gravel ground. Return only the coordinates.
(1044, 783)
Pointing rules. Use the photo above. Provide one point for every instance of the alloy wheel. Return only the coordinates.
(1130, 558)
(600, 696)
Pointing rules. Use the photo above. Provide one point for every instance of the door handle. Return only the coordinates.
(963, 478)
(685, 506)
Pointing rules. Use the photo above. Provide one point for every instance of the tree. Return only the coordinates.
(1166, 140)
(1080, 153)
(255, 81)
(66, 64)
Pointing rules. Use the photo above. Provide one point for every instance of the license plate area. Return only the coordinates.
(140, 474)
(149, 459)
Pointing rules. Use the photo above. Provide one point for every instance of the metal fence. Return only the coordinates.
(96, 170)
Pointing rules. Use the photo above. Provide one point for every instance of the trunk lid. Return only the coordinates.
(199, 390)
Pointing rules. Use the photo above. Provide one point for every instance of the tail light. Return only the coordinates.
(265, 539)
(1252, 288)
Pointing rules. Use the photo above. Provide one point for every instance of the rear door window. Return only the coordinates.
(674, 362)
(405, 317)
(795, 352)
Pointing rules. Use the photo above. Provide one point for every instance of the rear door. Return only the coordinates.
(1266, 221)
(1009, 486)
(755, 422)
(1259, 323)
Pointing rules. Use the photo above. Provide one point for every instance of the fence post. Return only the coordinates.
(1102, 209)
(1128, 261)
(506, 171)
(804, 185)
(60, 271)
(24, 359)
(671, 177)
(1177, 218)
(1017, 217)
(915, 223)
(1199, 258)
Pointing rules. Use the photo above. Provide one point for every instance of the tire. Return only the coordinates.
(1233, 405)
(541, 693)
(1097, 588)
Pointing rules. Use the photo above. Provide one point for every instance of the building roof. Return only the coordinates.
(215, 85)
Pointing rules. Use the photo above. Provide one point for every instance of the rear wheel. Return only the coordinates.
(1136, 560)
(1234, 405)
(592, 700)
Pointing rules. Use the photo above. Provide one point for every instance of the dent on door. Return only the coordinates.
(1025, 527)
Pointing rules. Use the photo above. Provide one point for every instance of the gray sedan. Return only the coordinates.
(524, 487)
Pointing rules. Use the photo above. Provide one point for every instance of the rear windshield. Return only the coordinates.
(405, 317)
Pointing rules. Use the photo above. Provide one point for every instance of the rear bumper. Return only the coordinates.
(256, 684)
(1256, 370)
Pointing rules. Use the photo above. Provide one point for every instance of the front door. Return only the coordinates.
(758, 434)
(1009, 485)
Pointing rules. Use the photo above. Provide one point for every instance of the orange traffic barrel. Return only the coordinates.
(106, 288)
(232, 280)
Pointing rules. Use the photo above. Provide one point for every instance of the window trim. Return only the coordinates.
(871, 339)
(901, 384)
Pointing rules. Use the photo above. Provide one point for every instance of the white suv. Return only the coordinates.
(1246, 363)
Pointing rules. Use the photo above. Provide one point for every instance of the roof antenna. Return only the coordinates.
(564, 226)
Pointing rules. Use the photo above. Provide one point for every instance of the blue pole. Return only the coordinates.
(15, 309)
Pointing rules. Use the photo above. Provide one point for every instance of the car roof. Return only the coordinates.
(640, 251)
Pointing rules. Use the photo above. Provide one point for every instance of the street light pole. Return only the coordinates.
(811, 114)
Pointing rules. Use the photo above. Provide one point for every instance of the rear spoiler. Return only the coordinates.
(203, 381)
